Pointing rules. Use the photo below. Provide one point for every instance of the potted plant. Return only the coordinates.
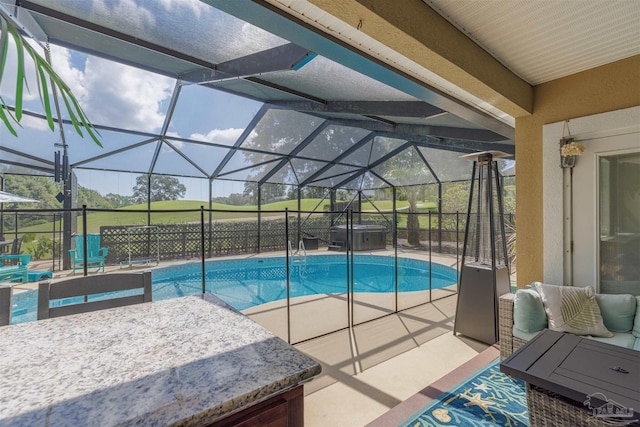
(569, 152)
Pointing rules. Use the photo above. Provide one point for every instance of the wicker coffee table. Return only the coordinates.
(575, 381)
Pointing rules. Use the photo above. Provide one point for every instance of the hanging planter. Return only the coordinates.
(569, 149)
(568, 161)
(569, 152)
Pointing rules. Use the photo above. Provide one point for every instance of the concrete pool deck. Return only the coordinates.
(371, 368)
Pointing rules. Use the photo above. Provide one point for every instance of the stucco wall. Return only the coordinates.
(611, 87)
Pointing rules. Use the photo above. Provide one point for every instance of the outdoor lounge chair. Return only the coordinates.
(14, 267)
(93, 285)
(95, 254)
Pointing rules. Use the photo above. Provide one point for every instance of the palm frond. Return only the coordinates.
(20, 78)
(4, 111)
(44, 72)
(4, 44)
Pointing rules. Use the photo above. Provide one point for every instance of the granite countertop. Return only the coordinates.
(183, 361)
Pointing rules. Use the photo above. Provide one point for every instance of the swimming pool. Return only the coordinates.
(248, 282)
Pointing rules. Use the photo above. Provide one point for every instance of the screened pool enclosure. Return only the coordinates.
(279, 134)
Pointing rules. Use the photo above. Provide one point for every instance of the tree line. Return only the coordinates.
(45, 190)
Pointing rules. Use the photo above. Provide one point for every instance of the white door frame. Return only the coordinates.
(556, 209)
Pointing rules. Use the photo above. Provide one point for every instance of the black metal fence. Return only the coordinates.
(438, 232)
(356, 289)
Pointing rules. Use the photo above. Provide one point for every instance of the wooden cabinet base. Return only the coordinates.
(283, 410)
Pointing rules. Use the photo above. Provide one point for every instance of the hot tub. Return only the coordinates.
(365, 237)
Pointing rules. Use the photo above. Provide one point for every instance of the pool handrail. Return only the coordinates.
(297, 253)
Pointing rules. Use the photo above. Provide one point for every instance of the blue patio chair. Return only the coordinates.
(95, 254)
(14, 268)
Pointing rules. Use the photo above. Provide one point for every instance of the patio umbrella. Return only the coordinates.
(12, 198)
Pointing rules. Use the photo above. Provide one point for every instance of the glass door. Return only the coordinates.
(619, 222)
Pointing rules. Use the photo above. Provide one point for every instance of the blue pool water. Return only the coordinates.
(249, 282)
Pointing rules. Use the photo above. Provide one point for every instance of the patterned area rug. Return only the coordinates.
(487, 398)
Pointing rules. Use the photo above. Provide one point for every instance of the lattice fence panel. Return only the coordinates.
(224, 238)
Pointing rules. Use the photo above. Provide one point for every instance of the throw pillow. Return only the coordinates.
(528, 311)
(572, 309)
(618, 311)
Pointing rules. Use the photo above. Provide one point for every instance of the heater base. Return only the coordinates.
(477, 309)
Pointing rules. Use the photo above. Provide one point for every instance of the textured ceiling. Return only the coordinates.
(544, 40)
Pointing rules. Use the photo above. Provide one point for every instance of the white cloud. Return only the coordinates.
(34, 123)
(74, 78)
(219, 136)
(114, 94)
(8, 86)
(123, 96)
(110, 93)
(196, 6)
(176, 143)
(128, 8)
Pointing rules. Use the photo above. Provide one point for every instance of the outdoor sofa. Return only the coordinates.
(522, 316)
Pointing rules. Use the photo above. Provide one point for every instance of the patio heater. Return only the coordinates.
(484, 274)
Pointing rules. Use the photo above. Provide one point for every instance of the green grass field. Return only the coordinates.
(137, 215)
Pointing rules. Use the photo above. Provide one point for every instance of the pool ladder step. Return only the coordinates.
(300, 254)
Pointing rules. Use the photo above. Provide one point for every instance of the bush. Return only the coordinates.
(42, 248)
